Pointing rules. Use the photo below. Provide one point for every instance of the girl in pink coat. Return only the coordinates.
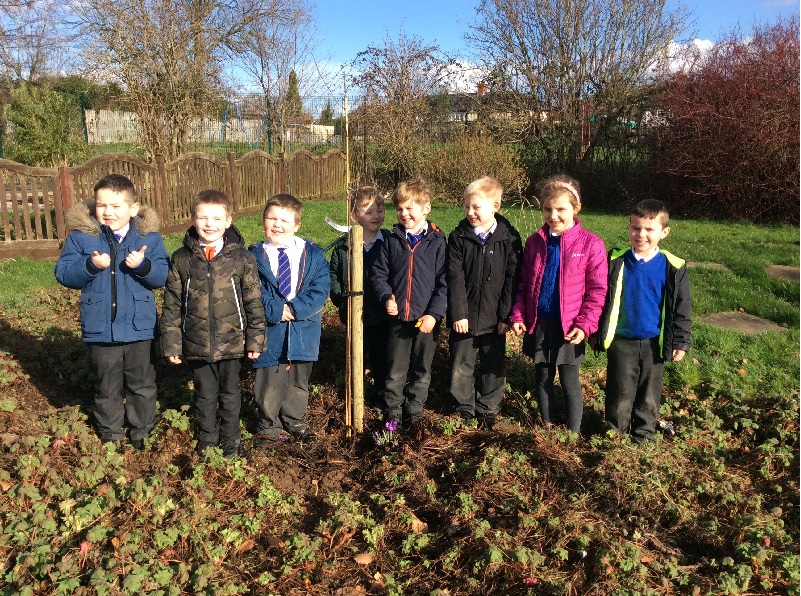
(560, 296)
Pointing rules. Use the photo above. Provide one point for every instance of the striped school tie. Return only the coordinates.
(284, 273)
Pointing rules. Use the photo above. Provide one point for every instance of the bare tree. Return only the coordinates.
(169, 55)
(398, 79)
(32, 39)
(558, 63)
(277, 47)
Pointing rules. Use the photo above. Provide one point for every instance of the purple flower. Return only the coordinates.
(391, 425)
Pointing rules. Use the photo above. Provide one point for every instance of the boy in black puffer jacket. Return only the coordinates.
(213, 315)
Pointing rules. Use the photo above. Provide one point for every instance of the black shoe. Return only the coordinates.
(138, 444)
(466, 418)
(201, 447)
(303, 435)
(230, 448)
(489, 421)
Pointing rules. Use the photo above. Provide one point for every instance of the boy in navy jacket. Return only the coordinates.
(409, 278)
(115, 255)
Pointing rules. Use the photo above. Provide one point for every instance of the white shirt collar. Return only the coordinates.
(369, 245)
(646, 258)
(423, 230)
(478, 230)
(122, 231)
(217, 244)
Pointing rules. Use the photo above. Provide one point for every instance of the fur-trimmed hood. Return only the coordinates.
(81, 217)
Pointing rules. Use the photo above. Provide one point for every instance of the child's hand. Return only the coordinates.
(460, 326)
(101, 261)
(135, 257)
(678, 355)
(503, 328)
(287, 314)
(518, 328)
(174, 359)
(426, 323)
(575, 336)
(254, 355)
(392, 306)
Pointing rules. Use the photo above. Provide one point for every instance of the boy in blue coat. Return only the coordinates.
(409, 279)
(116, 257)
(295, 282)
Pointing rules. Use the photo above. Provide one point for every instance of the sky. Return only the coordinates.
(350, 26)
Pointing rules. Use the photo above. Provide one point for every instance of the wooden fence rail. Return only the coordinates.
(36, 198)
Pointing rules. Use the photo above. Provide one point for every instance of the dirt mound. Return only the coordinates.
(742, 322)
(784, 272)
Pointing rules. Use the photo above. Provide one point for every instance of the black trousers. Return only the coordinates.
(483, 394)
(375, 354)
(409, 357)
(282, 394)
(634, 375)
(217, 392)
(125, 388)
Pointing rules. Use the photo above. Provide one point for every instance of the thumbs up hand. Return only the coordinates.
(101, 261)
(135, 257)
(392, 306)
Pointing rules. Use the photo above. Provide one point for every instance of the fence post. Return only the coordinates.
(64, 197)
(161, 185)
(233, 186)
(283, 184)
(320, 168)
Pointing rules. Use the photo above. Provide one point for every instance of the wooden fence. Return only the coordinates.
(36, 198)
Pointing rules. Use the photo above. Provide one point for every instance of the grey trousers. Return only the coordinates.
(544, 377)
(282, 394)
(634, 376)
(481, 395)
(125, 388)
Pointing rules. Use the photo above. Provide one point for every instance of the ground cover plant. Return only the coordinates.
(710, 508)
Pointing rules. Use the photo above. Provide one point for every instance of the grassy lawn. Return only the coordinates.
(712, 509)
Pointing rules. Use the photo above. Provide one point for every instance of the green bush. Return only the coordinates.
(46, 127)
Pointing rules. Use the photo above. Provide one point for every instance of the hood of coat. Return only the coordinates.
(232, 236)
(81, 217)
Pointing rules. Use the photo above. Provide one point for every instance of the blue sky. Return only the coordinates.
(349, 26)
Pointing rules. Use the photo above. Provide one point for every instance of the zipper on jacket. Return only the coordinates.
(186, 304)
(212, 330)
(112, 248)
(409, 275)
(238, 305)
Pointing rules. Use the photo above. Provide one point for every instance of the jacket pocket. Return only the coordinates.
(144, 318)
(94, 319)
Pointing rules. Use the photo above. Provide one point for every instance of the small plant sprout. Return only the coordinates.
(387, 435)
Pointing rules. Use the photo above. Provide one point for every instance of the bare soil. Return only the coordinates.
(784, 272)
(742, 322)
